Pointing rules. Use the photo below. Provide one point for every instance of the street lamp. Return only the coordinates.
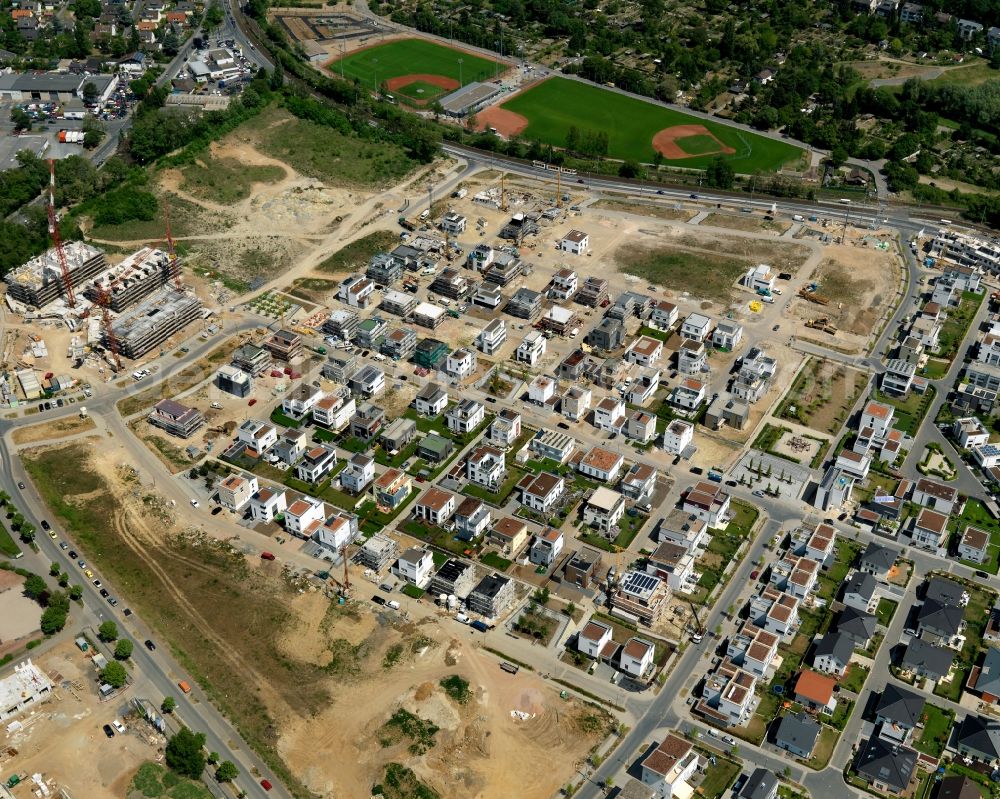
(375, 73)
(461, 83)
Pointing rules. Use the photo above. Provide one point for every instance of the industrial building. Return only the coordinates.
(136, 277)
(40, 280)
(146, 326)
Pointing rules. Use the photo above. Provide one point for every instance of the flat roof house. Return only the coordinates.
(176, 418)
(491, 596)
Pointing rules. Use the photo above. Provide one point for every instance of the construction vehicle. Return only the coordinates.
(764, 292)
(406, 224)
(699, 628)
(822, 323)
(809, 292)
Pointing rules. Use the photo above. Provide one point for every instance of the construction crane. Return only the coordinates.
(347, 576)
(56, 239)
(104, 300)
(699, 629)
(174, 266)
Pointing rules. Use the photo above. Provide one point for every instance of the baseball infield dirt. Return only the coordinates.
(507, 123)
(395, 84)
(665, 142)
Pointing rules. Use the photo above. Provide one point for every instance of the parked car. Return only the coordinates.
(108, 731)
(378, 600)
(150, 645)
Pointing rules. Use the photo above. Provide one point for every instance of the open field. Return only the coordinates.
(403, 57)
(60, 428)
(312, 676)
(319, 152)
(225, 180)
(822, 395)
(358, 253)
(155, 781)
(275, 191)
(645, 209)
(710, 277)
(555, 105)
(747, 223)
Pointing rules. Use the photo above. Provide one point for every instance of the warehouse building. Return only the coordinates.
(40, 281)
(148, 325)
(54, 87)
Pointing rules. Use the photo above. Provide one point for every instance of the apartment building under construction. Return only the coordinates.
(135, 278)
(40, 280)
(147, 325)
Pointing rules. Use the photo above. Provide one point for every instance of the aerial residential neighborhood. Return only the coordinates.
(442, 402)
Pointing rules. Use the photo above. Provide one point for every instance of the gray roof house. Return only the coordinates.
(927, 660)
(859, 591)
(936, 620)
(877, 560)
(946, 591)
(899, 707)
(985, 679)
(979, 738)
(885, 766)
(797, 734)
(833, 653)
(857, 625)
(762, 784)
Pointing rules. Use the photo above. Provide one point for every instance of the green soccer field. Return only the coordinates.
(414, 57)
(556, 104)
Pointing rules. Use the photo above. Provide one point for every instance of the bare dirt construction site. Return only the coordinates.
(504, 719)
(855, 286)
(276, 192)
(61, 428)
(62, 738)
(293, 669)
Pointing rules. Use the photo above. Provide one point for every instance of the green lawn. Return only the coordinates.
(8, 546)
(937, 725)
(495, 561)
(910, 410)
(974, 513)
(155, 781)
(823, 750)
(833, 578)
(719, 778)
(514, 474)
(414, 57)
(957, 324)
(854, 679)
(885, 611)
(557, 104)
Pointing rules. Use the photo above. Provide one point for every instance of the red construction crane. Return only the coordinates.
(104, 300)
(56, 239)
(174, 266)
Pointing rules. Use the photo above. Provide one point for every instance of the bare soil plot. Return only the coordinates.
(645, 209)
(747, 223)
(860, 285)
(302, 676)
(822, 395)
(60, 428)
